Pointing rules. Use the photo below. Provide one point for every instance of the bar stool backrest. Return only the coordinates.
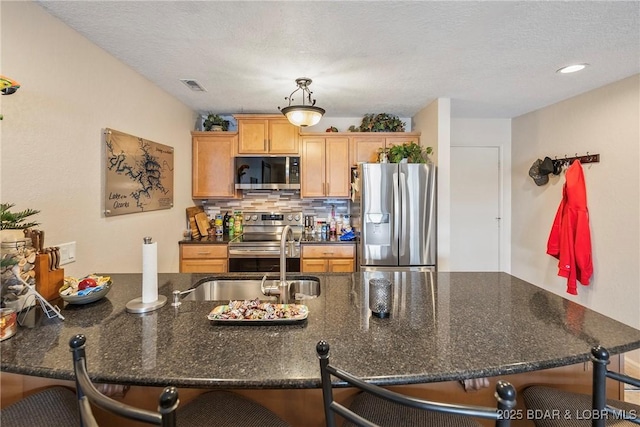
(505, 394)
(601, 411)
(87, 393)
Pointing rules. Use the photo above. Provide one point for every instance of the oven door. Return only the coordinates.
(262, 257)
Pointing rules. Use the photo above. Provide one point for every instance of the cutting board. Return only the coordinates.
(191, 217)
(202, 220)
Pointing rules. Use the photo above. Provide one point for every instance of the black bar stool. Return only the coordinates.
(219, 408)
(376, 406)
(552, 407)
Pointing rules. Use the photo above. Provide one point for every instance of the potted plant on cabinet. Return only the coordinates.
(412, 152)
(382, 122)
(214, 122)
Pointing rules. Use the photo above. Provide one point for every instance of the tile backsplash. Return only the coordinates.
(276, 201)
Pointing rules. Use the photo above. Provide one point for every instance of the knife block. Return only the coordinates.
(48, 282)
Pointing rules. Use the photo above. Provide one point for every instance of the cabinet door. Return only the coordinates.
(365, 148)
(212, 167)
(253, 135)
(203, 266)
(312, 164)
(314, 265)
(338, 171)
(341, 265)
(283, 137)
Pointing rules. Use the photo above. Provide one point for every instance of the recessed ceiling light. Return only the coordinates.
(572, 68)
(193, 85)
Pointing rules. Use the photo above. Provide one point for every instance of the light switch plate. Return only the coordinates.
(67, 252)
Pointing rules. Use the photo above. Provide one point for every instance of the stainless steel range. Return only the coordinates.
(257, 249)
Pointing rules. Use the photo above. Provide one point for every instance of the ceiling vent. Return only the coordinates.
(193, 85)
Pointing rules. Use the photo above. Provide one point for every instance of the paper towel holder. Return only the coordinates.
(137, 306)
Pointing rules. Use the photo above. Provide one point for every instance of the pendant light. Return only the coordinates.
(306, 114)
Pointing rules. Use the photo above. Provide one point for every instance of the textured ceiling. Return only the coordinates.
(493, 59)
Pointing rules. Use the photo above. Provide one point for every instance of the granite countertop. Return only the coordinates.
(310, 239)
(214, 240)
(318, 238)
(444, 326)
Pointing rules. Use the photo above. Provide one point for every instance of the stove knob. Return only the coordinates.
(254, 217)
(290, 217)
(297, 217)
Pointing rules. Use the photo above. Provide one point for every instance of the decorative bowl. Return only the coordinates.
(92, 296)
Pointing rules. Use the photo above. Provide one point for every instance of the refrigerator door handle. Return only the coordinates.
(396, 215)
(403, 195)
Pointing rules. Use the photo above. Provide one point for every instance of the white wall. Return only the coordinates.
(491, 133)
(52, 142)
(604, 121)
(343, 124)
(434, 123)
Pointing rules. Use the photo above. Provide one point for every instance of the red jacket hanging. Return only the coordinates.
(570, 238)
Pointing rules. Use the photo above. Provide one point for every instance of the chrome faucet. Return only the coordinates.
(284, 286)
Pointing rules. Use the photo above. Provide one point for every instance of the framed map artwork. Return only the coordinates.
(139, 174)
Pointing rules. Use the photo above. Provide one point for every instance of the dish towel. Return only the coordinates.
(570, 237)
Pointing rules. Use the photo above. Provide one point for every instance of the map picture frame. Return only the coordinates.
(138, 174)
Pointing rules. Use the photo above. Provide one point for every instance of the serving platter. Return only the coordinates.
(217, 315)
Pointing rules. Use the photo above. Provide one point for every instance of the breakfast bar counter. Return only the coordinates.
(443, 326)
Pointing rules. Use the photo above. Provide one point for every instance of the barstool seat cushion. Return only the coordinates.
(226, 409)
(572, 409)
(389, 414)
(52, 407)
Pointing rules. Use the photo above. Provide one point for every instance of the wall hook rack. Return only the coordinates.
(588, 158)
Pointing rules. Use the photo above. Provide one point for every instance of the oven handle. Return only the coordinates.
(252, 253)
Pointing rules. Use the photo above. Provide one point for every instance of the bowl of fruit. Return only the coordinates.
(90, 288)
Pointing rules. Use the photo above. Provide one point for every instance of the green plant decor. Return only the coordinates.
(382, 122)
(215, 120)
(410, 150)
(13, 221)
(16, 220)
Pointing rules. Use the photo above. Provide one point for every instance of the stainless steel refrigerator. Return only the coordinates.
(396, 205)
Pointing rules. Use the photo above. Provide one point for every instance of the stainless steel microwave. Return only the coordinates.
(267, 173)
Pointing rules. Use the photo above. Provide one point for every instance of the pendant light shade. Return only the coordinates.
(306, 114)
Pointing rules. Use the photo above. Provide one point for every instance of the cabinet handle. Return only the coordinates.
(328, 253)
(327, 188)
(204, 253)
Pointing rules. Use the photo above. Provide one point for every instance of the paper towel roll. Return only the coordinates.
(149, 272)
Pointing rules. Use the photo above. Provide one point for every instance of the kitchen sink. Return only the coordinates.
(224, 289)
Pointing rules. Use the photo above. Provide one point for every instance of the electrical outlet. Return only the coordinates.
(67, 252)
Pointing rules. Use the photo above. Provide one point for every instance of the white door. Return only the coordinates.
(475, 208)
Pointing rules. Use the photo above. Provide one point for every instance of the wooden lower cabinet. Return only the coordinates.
(330, 258)
(203, 258)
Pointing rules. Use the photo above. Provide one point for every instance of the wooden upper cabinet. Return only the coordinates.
(325, 170)
(267, 134)
(252, 136)
(213, 164)
(284, 138)
(337, 167)
(364, 149)
(312, 174)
